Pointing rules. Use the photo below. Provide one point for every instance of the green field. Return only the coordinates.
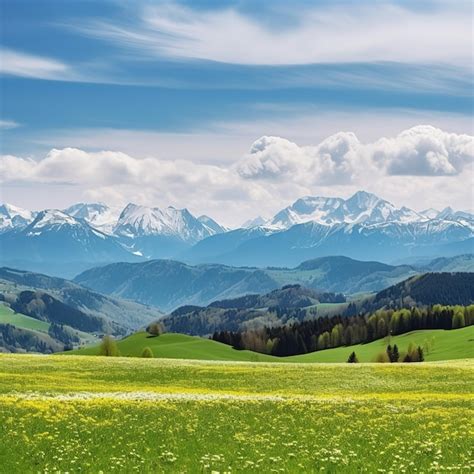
(441, 345)
(8, 316)
(108, 414)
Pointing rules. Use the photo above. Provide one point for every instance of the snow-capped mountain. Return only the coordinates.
(258, 221)
(98, 215)
(57, 241)
(363, 226)
(361, 208)
(139, 221)
(213, 226)
(12, 217)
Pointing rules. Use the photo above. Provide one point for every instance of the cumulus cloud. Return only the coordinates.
(342, 158)
(273, 172)
(424, 151)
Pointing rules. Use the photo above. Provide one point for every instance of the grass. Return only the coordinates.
(92, 414)
(177, 346)
(440, 345)
(8, 316)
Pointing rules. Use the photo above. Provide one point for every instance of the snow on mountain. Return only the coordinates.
(53, 220)
(98, 215)
(430, 213)
(465, 218)
(139, 221)
(258, 221)
(212, 225)
(12, 217)
(361, 208)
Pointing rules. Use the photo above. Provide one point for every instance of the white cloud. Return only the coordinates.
(8, 124)
(437, 167)
(352, 32)
(21, 64)
(424, 150)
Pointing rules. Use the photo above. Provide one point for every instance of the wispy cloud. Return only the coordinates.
(21, 64)
(353, 32)
(8, 124)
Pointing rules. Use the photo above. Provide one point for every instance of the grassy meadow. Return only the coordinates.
(8, 316)
(439, 345)
(92, 414)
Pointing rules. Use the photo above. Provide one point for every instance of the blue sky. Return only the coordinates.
(201, 81)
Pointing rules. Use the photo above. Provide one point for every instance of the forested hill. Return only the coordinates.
(429, 289)
(289, 296)
(291, 302)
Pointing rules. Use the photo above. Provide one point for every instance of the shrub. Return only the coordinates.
(147, 353)
(382, 357)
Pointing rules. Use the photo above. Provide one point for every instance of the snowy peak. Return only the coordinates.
(97, 215)
(211, 224)
(13, 217)
(258, 221)
(52, 219)
(139, 221)
(361, 208)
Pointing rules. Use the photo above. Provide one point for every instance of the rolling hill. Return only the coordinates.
(444, 345)
(117, 312)
(429, 289)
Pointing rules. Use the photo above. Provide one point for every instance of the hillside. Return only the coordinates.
(291, 302)
(429, 289)
(168, 284)
(114, 313)
(444, 345)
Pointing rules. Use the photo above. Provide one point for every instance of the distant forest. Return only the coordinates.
(327, 332)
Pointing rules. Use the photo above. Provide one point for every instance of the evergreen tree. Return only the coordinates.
(352, 358)
(395, 354)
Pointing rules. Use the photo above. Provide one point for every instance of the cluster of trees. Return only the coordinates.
(14, 339)
(327, 332)
(392, 354)
(155, 329)
(63, 334)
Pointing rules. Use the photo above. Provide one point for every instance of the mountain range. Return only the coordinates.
(295, 303)
(366, 227)
(168, 284)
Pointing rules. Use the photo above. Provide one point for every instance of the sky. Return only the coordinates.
(235, 108)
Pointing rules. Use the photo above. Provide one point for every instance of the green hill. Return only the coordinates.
(444, 345)
(8, 316)
(178, 346)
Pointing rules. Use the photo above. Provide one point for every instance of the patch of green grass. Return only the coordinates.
(440, 344)
(177, 346)
(8, 316)
(91, 414)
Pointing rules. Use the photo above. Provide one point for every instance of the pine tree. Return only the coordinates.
(395, 354)
(352, 358)
(421, 356)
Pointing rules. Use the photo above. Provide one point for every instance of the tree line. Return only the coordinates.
(336, 331)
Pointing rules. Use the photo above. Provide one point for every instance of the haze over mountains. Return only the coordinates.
(365, 227)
